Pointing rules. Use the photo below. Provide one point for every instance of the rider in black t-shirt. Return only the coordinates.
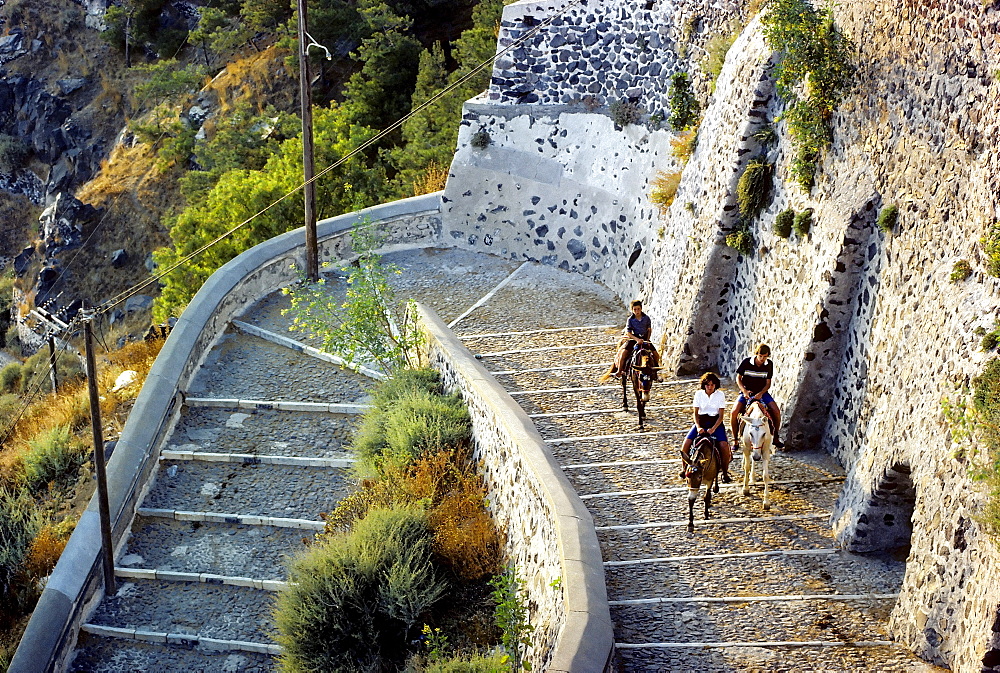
(753, 376)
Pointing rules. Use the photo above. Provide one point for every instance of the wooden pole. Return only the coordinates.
(102, 478)
(308, 166)
(52, 364)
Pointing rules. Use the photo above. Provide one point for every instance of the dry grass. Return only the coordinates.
(664, 189)
(260, 77)
(682, 147)
(431, 180)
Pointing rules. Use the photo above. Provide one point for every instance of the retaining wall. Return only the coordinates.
(76, 584)
(550, 534)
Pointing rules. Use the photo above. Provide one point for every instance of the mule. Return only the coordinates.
(640, 371)
(757, 442)
(701, 468)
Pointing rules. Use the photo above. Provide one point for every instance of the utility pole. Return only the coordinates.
(52, 364)
(308, 167)
(102, 477)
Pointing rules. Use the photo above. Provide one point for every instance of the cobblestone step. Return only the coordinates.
(245, 367)
(762, 657)
(110, 654)
(217, 548)
(814, 573)
(622, 545)
(777, 620)
(260, 490)
(203, 578)
(269, 432)
(189, 608)
(496, 341)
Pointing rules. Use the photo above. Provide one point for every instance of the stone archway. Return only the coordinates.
(885, 523)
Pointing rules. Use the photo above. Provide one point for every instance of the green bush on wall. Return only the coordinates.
(959, 272)
(624, 112)
(803, 223)
(783, 223)
(990, 243)
(754, 188)
(887, 218)
(741, 240)
(684, 106)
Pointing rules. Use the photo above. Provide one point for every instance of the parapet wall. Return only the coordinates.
(550, 534)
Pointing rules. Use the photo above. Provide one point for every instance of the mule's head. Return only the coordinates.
(756, 433)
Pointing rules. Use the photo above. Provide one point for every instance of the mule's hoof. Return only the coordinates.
(767, 507)
(690, 527)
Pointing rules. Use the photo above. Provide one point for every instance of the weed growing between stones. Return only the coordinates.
(624, 112)
(959, 272)
(754, 188)
(783, 223)
(741, 240)
(765, 135)
(887, 218)
(990, 243)
(684, 106)
(990, 340)
(664, 189)
(803, 223)
(717, 47)
(812, 77)
(480, 139)
(683, 146)
(511, 600)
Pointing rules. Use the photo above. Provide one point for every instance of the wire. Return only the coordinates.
(114, 301)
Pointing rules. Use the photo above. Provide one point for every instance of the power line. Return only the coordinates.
(114, 301)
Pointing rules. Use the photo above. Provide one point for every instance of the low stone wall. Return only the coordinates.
(76, 584)
(550, 534)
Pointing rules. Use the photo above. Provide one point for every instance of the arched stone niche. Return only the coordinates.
(884, 524)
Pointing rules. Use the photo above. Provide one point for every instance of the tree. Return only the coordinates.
(217, 32)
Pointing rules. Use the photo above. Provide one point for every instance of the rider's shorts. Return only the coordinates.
(766, 399)
(719, 434)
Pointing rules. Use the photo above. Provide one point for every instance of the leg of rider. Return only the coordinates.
(734, 418)
(685, 448)
(726, 454)
(776, 415)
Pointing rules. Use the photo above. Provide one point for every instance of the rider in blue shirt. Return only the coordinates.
(639, 329)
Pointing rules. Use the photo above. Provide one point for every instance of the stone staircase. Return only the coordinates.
(258, 455)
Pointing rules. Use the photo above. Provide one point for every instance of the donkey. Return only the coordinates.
(756, 440)
(702, 467)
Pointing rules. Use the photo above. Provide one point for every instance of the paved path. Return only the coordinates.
(240, 485)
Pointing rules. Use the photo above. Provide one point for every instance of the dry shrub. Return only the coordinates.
(123, 172)
(433, 179)
(664, 189)
(258, 77)
(47, 547)
(682, 147)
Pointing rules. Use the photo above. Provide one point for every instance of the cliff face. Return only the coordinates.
(868, 331)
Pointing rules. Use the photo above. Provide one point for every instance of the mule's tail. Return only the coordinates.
(606, 376)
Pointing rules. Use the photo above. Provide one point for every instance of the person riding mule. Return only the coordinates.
(638, 331)
(753, 377)
(708, 421)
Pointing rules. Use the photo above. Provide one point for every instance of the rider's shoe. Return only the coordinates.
(778, 444)
(726, 477)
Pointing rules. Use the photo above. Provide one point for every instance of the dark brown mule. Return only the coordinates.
(702, 467)
(640, 370)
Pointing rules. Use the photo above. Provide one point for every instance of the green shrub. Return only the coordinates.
(10, 377)
(754, 188)
(684, 106)
(10, 406)
(783, 223)
(480, 139)
(624, 112)
(803, 223)
(959, 272)
(476, 663)
(985, 422)
(53, 455)
(665, 189)
(404, 382)
(990, 340)
(765, 135)
(887, 218)
(741, 240)
(19, 523)
(353, 600)
(407, 420)
(13, 154)
(35, 373)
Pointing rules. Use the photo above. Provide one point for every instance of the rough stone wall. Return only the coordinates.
(868, 331)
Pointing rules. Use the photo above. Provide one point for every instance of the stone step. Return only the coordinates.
(245, 367)
(814, 573)
(775, 620)
(259, 490)
(596, 355)
(140, 574)
(764, 655)
(114, 654)
(189, 608)
(231, 518)
(640, 477)
(497, 341)
(794, 498)
(253, 459)
(280, 433)
(752, 536)
(584, 375)
(208, 547)
(613, 422)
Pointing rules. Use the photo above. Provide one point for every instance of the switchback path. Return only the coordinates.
(259, 454)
